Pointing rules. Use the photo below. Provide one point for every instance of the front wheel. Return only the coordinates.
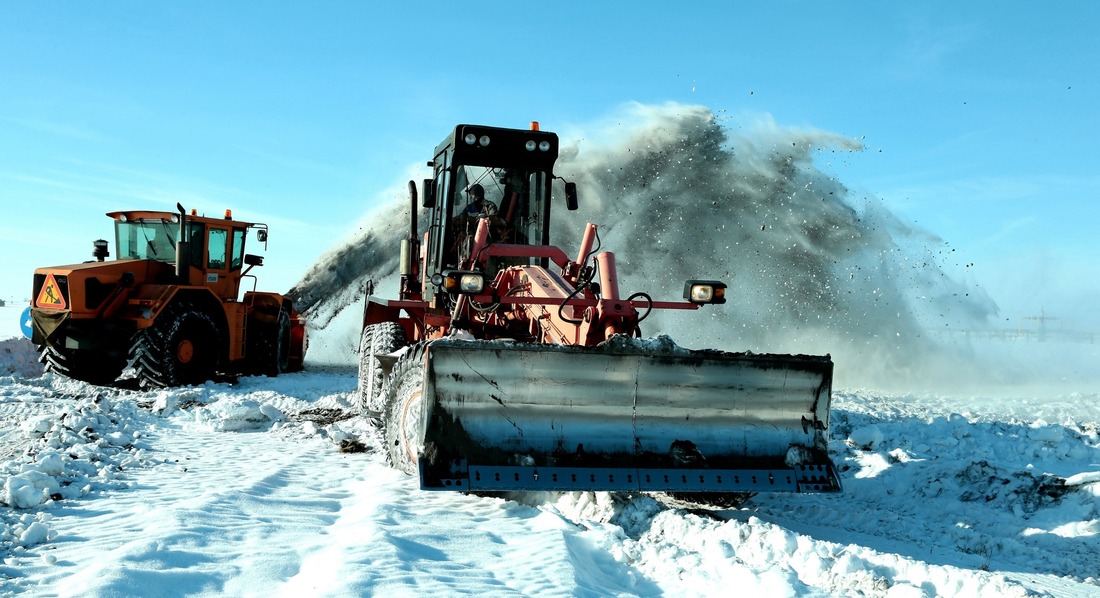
(404, 409)
(270, 346)
(98, 367)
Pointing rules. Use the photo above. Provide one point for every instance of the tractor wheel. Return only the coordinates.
(93, 367)
(270, 353)
(182, 347)
(377, 339)
(404, 408)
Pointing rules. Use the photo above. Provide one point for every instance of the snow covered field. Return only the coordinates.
(264, 488)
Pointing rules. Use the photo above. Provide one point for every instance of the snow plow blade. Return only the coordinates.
(627, 415)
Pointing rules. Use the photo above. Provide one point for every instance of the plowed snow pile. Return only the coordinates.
(271, 486)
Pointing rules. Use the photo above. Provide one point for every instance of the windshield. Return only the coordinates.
(146, 240)
(516, 197)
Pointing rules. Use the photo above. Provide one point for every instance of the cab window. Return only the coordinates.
(216, 252)
(195, 234)
(151, 239)
(238, 249)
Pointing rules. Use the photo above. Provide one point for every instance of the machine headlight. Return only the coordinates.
(464, 281)
(544, 146)
(484, 141)
(470, 139)
(701, 292)
(531, 145)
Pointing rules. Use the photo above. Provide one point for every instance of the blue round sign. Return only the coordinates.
(25, 323)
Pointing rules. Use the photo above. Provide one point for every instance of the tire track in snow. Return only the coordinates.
(248, 500)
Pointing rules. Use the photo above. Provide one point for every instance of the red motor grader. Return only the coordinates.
(505, 364)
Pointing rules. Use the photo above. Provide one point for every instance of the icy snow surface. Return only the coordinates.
(243, 490)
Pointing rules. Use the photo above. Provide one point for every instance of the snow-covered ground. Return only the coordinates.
(264, 488)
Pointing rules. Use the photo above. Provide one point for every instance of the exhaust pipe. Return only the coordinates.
(183, 249)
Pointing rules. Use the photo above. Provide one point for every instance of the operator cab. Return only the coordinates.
(212, 254)
(514, 167)
(154, 236)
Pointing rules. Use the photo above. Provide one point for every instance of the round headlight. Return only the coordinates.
(531, 145)
(122, 218)
(175, 218)
(483, 141)
(471, 138)
(544, 146)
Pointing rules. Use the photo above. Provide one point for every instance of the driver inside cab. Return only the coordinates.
(479, 207)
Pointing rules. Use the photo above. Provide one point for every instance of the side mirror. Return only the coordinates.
(261, 235)
(429, 195)
(571, 196)
(253, 260)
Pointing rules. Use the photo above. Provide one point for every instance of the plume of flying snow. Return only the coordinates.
(810, 267)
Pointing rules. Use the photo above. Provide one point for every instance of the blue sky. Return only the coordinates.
(979, 120)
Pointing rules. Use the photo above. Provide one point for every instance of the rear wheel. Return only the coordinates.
(270, 349)
(404, 409)
(378, 339)
(181, 347)
(93, 367)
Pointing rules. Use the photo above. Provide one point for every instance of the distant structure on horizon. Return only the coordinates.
(1019, 333)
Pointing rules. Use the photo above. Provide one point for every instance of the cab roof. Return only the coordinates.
(136, 215)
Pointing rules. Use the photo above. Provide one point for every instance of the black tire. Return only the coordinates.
(270, 349)
(93, 367)
(404, 408)
(377, 339)
(182, 347)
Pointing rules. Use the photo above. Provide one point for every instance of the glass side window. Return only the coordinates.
(216, 252)
(529, 214)
(238, 249)
(437, 245)
(197, 233)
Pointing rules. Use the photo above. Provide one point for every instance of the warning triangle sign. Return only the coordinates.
(50, 296)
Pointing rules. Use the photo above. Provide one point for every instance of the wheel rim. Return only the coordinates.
(185, 351)
(411, 404)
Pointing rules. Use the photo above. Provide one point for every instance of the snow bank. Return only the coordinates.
(80, 447)
(17, 357)
(69, 452)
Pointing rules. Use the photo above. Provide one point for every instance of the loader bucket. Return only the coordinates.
(643, 415)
